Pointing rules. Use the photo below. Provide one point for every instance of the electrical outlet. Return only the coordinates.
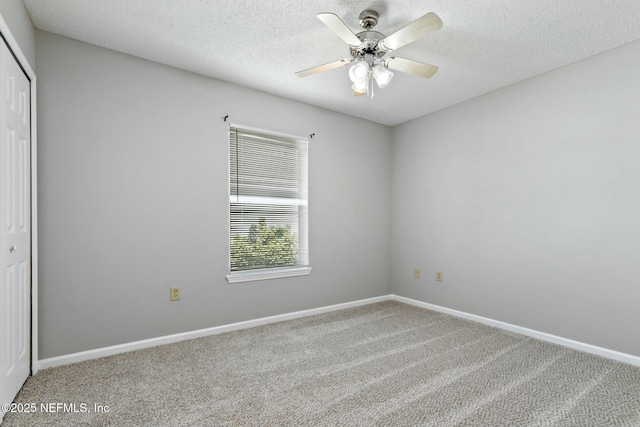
(416, 273)
(439, 276)
(174, 294)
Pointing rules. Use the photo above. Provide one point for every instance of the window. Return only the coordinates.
(268, 205)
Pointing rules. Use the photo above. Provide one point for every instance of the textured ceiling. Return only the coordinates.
(483, 45)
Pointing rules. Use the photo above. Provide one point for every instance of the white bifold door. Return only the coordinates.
(15, 220)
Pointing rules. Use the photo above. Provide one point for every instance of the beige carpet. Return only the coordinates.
(385, 364)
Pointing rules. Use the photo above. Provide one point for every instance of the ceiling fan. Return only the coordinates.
(370, 50)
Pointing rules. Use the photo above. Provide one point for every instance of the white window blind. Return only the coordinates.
(268, 201)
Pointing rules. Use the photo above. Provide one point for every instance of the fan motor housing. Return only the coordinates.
(370, 40)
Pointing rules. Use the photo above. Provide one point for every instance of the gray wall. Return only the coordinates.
(133, 192)
(528, 200)
(17, 18)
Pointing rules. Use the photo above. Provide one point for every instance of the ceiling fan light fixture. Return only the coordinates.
(358, 72)
(382, 75)
(369, 49)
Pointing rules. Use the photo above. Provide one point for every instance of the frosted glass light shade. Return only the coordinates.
(360, 87)
(358, 72)
(382, 75)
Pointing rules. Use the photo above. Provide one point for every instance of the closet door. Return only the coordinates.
(15, 228)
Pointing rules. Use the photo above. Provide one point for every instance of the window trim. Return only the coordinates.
(266, 274)
(263, 273)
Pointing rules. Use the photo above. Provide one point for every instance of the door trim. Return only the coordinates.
(5, 32)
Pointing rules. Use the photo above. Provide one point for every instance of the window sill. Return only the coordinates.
(266, 274)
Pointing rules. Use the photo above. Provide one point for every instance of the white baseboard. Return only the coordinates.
(576, 345)
(168, 339)
(138, 345)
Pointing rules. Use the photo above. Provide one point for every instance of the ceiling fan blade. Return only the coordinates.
(325, 67)
(411, 67)
(415, 30)
(332, 21)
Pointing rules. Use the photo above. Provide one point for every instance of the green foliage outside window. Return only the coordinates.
(264, 247)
